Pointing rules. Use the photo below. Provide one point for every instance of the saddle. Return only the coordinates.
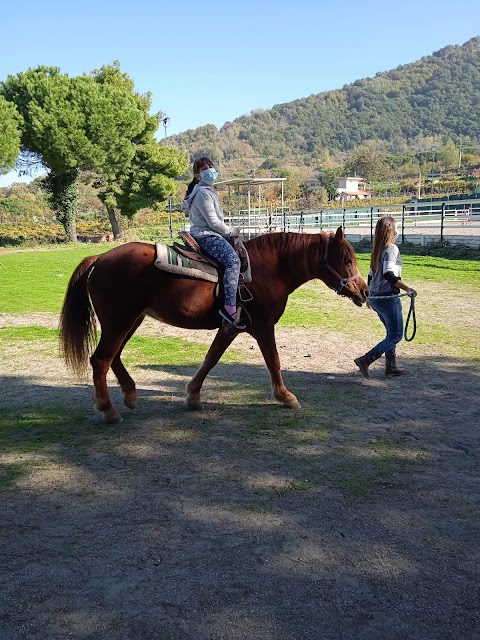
(189, 260)
(192, 250)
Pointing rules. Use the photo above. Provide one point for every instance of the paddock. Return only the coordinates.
(355, 517)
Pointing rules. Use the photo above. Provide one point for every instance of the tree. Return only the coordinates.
(62, 190)
(328, 178)
(147, 182)
(76, 123)
(367, 163)
(10, 135)
(110, 183)
(292, 187)
(313, 198)
(449, 154)
(212, 152)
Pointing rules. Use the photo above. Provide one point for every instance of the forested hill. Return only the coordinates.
(439, 95)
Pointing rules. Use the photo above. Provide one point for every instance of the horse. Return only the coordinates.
(122, 286)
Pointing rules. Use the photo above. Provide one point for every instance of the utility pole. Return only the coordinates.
(460, 148)
(165, 122)
(434, 149)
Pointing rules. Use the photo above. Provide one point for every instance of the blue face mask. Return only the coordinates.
(208, 175)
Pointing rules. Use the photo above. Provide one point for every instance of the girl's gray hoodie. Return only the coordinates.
(205, 213)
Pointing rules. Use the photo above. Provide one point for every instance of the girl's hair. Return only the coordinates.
(199, 162)
(385, 234)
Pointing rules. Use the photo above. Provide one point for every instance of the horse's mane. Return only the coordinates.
(296, 250)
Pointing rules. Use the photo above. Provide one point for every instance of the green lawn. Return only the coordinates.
(147, 350)
(37, 280)
(432, 269)
(32, 281)
(448, 294)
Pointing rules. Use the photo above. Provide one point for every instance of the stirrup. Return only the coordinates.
(231, 322)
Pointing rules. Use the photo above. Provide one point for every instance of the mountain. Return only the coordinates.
(437, 96)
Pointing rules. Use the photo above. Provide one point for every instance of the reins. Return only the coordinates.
(342, 282)
(411, 312)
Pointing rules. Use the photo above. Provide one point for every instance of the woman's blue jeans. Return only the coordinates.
(389, 310)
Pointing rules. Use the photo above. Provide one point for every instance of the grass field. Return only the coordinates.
(36, 280)
(449, 294)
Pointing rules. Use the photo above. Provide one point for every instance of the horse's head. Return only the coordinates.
(339, 269)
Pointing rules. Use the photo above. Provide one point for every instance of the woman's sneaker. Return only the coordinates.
(230, 322)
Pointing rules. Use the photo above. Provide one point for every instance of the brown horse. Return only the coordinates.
(122, 286)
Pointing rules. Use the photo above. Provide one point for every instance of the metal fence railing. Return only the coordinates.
(442, 220)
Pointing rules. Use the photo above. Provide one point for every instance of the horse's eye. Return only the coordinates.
(348, 262)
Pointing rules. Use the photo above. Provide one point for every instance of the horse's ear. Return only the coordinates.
(339, 234)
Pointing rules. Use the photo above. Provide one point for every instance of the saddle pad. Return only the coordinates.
(169, 260)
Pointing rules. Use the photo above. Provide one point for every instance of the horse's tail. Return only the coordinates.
(77, 320)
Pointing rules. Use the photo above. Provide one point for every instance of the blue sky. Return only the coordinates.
(211, 62)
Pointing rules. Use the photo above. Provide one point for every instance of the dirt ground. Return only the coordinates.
(353, 518)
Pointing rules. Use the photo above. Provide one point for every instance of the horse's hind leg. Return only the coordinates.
(111, 342)
(125, 380)
(218, 347)
(266, 341)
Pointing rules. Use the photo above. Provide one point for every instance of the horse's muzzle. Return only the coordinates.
(358, 297)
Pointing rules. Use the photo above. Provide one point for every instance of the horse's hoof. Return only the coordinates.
(129, 403)
(194, 405)
(294, 404)
(112, 417)
(290, 402)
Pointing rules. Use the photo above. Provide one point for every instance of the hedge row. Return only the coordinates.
(36, 233)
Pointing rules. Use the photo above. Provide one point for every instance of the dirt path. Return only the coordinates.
(354, 518)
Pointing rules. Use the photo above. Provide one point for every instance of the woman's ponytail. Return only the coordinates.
(190, 187)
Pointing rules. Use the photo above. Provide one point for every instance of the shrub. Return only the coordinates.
(30, 233)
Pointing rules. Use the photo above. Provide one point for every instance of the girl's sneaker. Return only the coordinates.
(230, 321)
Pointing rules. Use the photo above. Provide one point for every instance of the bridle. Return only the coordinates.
(342, 282)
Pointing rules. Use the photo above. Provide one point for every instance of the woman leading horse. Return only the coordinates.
(122, 286)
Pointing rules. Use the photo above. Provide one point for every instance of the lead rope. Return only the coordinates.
(411, 313)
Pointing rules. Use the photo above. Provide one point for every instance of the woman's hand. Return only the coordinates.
(406, 288)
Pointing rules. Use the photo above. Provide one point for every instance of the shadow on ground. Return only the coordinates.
(355, 517)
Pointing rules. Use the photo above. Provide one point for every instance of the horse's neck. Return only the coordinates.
(297, 256)
(306, 261)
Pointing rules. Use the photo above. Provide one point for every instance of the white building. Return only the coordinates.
(352, 188)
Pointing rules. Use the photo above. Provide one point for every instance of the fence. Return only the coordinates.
(457, 221)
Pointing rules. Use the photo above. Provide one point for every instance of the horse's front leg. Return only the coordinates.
(266, 341)
(218, 347)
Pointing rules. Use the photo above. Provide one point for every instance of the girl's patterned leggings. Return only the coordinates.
(223, 252)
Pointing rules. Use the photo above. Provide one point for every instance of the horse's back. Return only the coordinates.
(130, 257)
(142, 251)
